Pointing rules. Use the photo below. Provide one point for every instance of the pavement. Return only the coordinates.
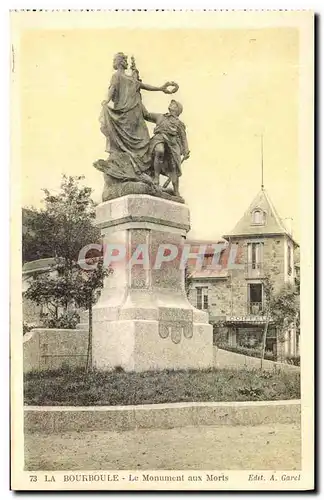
(263, 447)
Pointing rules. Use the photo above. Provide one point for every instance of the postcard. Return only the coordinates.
(162, 326)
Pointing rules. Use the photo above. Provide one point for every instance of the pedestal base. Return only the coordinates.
(135, 345)
(143, 320)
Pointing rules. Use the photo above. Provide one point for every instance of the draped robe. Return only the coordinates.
(127, 136)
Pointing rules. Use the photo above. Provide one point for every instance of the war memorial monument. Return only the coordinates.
(143, 319)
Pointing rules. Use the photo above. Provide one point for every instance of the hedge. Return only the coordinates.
(247, 351)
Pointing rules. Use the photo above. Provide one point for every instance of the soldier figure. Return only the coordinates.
(168, 144)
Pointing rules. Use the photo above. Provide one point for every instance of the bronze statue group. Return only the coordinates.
(133, 155)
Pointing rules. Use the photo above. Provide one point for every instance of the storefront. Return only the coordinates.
(246, 332)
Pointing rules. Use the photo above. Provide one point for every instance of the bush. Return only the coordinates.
(247, 351)
(27, 327)
(67, 320)
(219, 334)
(293, 360)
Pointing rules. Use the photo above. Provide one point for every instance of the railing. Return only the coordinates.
(255, 308)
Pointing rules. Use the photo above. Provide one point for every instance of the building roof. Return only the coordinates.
(273, 223)
(38, 265)
(220, 270)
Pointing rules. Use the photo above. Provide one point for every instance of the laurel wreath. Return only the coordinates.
(174, 87)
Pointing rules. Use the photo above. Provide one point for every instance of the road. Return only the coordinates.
(271, 447)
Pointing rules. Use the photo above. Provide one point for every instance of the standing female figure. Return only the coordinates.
(124, 124)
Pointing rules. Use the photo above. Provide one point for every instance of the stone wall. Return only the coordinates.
(273, 264)
(274, 260)
(57, 419)
(31, 312)
(228, 359)
(220, 298)
(219, 295)
(51, 349)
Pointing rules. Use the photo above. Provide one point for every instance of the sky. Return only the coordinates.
(234, 84)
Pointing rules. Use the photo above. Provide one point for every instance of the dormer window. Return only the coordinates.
(258, 217)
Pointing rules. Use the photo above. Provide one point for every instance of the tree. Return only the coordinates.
(63, 228)
(90, 283)
(35, 245)
(281, 308)
(188, 280)
(56, 293)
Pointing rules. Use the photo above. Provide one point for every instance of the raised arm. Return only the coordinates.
(146, 86)
(164, 88)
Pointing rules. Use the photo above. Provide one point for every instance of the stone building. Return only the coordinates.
(234, 296)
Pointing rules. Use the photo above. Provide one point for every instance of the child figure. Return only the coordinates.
(168, 144)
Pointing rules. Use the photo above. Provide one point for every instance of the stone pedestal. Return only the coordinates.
(143, 319)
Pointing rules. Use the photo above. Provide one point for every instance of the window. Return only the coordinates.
(255, 293)
(257, 216)
(205, 295)
(255, 255)
(202, 297)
